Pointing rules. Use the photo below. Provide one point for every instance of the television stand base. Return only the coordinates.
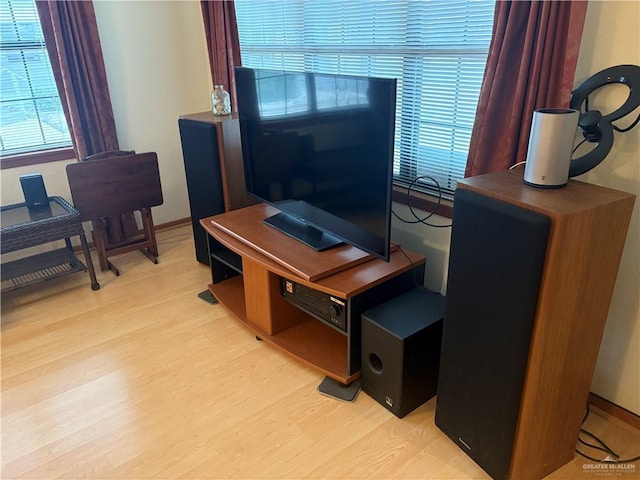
(303, 232)
(339, 391)
(208, 297)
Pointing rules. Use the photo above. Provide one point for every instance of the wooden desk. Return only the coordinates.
(247, 279)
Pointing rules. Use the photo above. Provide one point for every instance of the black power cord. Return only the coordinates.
(418, 283)
(601, 446)
(617, 129)
(633, 124)
(422, 220)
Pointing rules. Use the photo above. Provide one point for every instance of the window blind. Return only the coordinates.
(31, 115)
(436, 49)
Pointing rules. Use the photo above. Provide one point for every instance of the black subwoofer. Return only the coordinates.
(401, 350)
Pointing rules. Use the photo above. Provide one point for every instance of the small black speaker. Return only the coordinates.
(35, 193)
(401, 350)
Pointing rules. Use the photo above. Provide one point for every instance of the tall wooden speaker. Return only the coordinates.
(201, 157)
(531, 274)
(212, 153)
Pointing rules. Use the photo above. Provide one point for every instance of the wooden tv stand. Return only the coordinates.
(249, 259)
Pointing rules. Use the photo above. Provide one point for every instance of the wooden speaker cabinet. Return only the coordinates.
(212, 154)
(531, 275)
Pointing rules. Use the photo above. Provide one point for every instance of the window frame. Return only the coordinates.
(40, 155)
(37, 158)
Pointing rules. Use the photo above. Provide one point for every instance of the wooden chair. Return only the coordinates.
(111, 185)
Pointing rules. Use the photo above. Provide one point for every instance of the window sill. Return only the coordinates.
(423, 202)
(25, 159)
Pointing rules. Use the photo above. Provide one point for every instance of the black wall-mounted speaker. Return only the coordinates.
(401, 350)
(35, 193)
(495, 268)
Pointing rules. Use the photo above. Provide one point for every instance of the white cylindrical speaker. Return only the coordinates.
(551, 141)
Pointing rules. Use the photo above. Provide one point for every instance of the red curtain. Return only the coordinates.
(223, 44)
(531, 64)
(71, 34)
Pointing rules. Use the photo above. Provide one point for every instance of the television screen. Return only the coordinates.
(319, 147)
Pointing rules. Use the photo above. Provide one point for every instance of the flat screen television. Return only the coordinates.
(319, 148)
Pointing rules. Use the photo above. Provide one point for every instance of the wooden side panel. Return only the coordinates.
(232, 166)
(582, 264)
(257, 284)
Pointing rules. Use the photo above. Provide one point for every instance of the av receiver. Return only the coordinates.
(324, 307)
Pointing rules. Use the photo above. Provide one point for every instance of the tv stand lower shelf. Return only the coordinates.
(327, 352)
(248, 281)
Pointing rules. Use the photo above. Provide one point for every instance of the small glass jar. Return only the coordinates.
(220, 101)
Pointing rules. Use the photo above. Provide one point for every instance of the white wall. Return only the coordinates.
(432, 242)
(55, 180)
(158, 69)
(611, 37)
(157, 65)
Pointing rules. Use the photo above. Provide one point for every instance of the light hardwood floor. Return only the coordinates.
(142, 379)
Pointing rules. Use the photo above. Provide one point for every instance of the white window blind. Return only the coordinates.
(31, 115)
(436, 49)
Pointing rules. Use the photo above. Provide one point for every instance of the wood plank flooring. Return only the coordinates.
(142, 379)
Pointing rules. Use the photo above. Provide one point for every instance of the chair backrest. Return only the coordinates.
(113, 185)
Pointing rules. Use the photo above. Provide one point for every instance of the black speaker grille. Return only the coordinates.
(204, 183)
(495, 268)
